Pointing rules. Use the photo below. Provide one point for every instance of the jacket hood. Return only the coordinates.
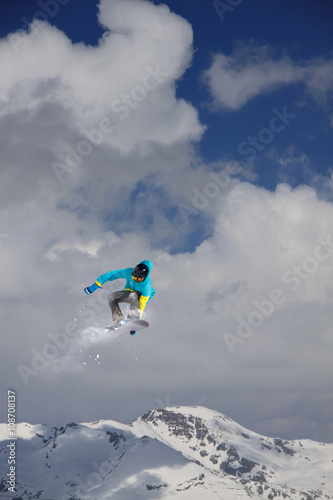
(147, 263)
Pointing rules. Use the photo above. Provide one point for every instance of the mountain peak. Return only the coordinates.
(174, 452)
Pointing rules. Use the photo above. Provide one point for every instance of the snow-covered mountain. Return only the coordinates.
(175, 453)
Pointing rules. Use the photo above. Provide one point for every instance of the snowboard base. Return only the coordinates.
(130, 327)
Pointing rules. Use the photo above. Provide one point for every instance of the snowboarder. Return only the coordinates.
(137, 292)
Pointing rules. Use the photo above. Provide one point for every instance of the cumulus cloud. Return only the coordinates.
(251, 70)
(89, 127)
(130, 74)
(261, 292)
(245, 319)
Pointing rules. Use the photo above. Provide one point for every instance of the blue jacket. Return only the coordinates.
(143, 287)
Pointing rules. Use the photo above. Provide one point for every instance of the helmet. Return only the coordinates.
(140, 272)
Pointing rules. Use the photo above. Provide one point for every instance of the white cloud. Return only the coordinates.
(128, 78)
(262, 242)
(90, 247)
(86, 126)
(319, 80)
(251, 71)
(265, 247)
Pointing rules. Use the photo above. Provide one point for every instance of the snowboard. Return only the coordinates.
(130, 327)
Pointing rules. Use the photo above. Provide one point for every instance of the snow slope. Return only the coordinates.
(172, 453)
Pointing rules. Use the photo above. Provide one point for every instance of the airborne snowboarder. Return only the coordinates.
(137, 292)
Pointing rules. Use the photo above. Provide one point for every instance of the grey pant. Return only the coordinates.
(128, 296)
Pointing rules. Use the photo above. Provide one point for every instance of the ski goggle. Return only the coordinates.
(136, 279)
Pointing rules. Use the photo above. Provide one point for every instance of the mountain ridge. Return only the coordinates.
(174, 452)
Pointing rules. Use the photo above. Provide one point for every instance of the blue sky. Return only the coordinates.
(133, 131)
(299, 29)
